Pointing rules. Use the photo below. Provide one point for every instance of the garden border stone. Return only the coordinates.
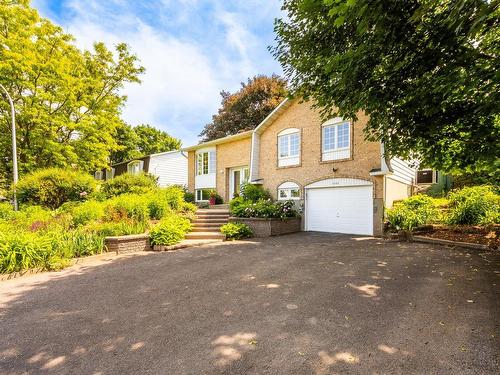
(267, 227)
(439, 241)
(128, 244)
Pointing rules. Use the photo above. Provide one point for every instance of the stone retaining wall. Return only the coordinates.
(128, 244)
(270, 227)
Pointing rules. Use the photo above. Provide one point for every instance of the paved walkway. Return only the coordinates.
(298, 304)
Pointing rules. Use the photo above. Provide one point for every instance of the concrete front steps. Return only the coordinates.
(207, 223)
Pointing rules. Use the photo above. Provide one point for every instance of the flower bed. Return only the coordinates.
(46, 234)
(489, 236)
(267, 227)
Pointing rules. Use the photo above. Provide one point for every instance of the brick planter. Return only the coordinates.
(128, 244)
(270, 227)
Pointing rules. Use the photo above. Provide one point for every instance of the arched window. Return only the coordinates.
(289, 147)
(288, 190)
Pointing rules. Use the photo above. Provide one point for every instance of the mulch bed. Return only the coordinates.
(489, 236)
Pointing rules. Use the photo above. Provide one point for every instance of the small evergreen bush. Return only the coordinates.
(236, 231)
(54, 186)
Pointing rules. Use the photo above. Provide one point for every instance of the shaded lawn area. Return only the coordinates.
(306, 303)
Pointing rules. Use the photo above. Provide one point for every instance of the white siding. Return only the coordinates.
(206, 181)
(403, 171)
(171, 168)
(254, 157)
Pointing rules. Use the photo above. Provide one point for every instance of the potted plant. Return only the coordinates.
(212, 197)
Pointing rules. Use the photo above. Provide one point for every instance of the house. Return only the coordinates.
(433, 182)
(170, 167)
(342, 181)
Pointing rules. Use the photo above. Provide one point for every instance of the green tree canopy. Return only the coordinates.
(427, 72)
(68, 103)
(246, 108)
(142, 140)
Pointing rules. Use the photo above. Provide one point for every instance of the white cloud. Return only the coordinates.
(187, 65)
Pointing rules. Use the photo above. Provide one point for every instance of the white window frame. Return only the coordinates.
(288, 159)
(210, 166)
(200, 193)
(434, 176)
(287, 188)
(335, 152)
(98, 175)
(132, 169)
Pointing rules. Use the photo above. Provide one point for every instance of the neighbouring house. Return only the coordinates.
(433, 182)
(341, 181)
(170, 167)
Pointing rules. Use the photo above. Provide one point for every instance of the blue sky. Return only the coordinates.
(191, 49)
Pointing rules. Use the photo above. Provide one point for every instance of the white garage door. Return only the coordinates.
(340, 209)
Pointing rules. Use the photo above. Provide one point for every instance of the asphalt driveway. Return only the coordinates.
(299, 304)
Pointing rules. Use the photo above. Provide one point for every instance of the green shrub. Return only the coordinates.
(415, 211)
(52, 187)
(78, 243)
(129, 183)
(22, 250)
(401, 217)
(474, 205)
(121, 228)
(86, 212)
(188, 196)
(6, 211)
(127, 206)
(262, 209)
(169, 230)
(236, 231)
(254, 193)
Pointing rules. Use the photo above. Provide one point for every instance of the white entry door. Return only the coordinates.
(237, 177)
(346, 209)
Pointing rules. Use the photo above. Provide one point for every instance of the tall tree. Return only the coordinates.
(152, 140)
(246, 108)
(134, 142)
(427, 73)
(67, 102)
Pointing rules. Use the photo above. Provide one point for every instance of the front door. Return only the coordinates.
(237, 177)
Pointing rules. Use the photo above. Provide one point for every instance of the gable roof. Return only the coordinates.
(273, 115)
(229, 138)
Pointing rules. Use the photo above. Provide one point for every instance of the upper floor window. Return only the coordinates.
(288, 191)
(289, 147)
(205, 162)
(336, 135)
(135, 167)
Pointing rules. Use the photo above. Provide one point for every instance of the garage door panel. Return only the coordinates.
(340, 209)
